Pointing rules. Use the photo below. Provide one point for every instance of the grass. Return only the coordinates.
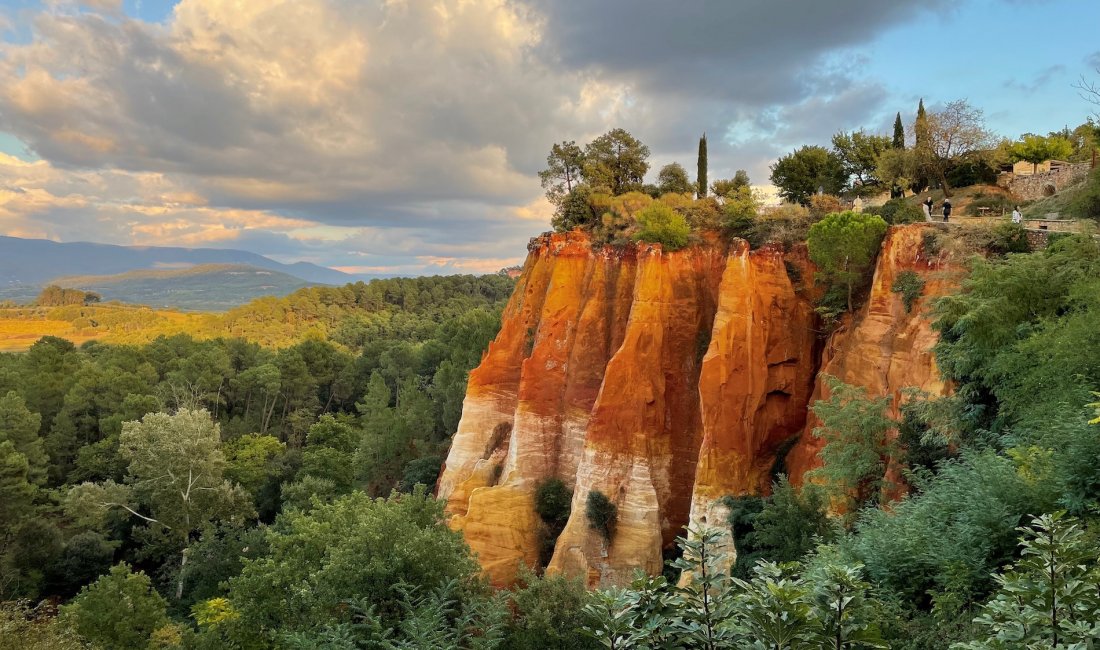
(1059, 203)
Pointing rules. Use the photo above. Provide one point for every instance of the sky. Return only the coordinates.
(405, 136)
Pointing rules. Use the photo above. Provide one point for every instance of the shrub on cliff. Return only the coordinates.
(909, 285)
(602, 514)
(844, 246)
(660, 224)
(552, 501)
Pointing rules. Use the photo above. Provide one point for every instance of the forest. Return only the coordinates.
(213, 494)
(265, 480)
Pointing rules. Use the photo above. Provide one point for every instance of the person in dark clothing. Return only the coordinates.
(928, 209)
(946, 209)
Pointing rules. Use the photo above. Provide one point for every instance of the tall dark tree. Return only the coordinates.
(701, 178)
(899, 132)
(922, 144)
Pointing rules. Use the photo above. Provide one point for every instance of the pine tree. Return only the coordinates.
(702, 175)
(899, 132)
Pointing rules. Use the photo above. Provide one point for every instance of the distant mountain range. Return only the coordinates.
(35, 261)
(26, 265)
(206, 287)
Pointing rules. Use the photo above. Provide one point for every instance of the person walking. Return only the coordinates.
(1016, 216)
(927, 209)
(946, 209)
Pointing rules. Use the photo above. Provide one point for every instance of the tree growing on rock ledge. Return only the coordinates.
(844, 246)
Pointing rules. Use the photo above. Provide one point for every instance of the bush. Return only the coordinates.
(552, 501)
(602, 514)
(547, 613)
(786, 224)
(120, 610)
(897, 211)
(1086, 203)
(660, 224)
(823, 204)
(909, 285)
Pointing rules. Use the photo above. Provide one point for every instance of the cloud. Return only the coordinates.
(397, 133)
(1036, 83)
(1093, 60)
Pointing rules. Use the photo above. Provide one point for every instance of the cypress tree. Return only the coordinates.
(899, 132)
(921, 125)
(920, 129)
(702, 173)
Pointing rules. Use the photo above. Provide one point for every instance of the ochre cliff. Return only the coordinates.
(664, 380)
(884, 348)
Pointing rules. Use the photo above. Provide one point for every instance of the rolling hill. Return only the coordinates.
(36, 261)
(206, 287)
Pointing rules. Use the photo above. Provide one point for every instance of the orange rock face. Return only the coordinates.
(884, 348)
(664, 380)
(756, 377)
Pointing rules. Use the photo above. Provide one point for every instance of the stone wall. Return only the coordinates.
(1036, 186)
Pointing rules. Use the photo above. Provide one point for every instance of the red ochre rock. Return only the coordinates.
(664, 380)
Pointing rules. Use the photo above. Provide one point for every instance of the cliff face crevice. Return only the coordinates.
(665, 381)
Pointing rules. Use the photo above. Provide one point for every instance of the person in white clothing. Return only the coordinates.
(1016, 216)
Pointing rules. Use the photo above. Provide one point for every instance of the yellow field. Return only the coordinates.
(110, 323)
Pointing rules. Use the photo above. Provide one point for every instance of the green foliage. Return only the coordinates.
(724, 187)
(1036, 149)
(807, 171)
(854, 428)
(897, 211)
(574, 211)
(602, 514)
(791, 524)
(563, 172)
(355, 549)
(120, 610)
(898, 141)
(422, 471)
(436, 618)
(1049, 597)
(552, 501)
(615, 160)
(34, 629)
(546, 613)
(1086, 201)
(20, 427)
(945, 540)
(780, 607)
(1018, 324)
(858, 154)
(910, 286)
(739, 215)
(660, 224)
(701, 175)
(673, 179)
(844, 246)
